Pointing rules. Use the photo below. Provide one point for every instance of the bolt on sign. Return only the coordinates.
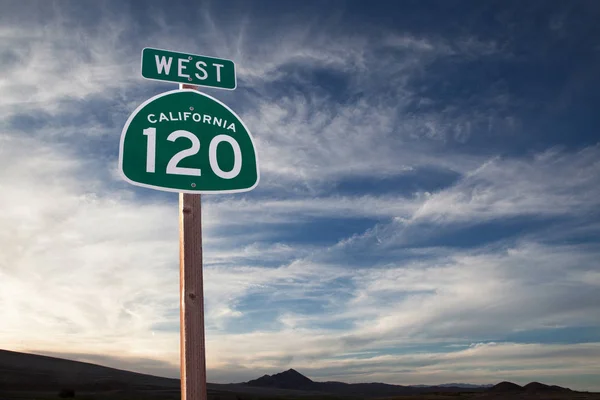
(164, 65)
(188, 142)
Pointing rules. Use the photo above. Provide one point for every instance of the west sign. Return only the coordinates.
(171, 66)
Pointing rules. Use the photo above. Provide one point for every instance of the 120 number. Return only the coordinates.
(173, 165)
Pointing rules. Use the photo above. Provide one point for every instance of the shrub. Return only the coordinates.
(66, 393)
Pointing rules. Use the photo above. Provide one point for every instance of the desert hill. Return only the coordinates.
(21, 372)
(536, 387)
(531, 388)
(506, 387)
(292, 379)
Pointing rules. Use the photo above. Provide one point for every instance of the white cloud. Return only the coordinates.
(54, 64)
(483, 293)
(88, 267)
(488, 293)
(552, 183)
(79, 263)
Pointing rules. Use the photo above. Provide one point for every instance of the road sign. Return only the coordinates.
(188, 142)
(170, 66)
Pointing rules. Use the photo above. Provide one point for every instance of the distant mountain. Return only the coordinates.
(30, 372)
(458, 385)
(292, 379)
(536, 387)
(506, 387)
(531, 388)
(22, 371)
(25, 373)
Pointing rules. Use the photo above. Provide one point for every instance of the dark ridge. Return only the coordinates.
(290, 379)
(20, 371)
(30, 372)
(461, 385)
(506, 387)
(560, 388)
(536, 387)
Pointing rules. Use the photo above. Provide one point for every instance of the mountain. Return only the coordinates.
(458, 385)
(22, 371)
(506, 387)
(530, 388)
(25, 373)
(536, 387)
(292, 379)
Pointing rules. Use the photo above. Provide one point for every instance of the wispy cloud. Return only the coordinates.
(542, 185)
(71, 257)
(397, 217)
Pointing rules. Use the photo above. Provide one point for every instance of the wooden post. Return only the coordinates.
(192, 345)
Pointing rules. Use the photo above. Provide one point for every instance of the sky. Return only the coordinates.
(427, 212)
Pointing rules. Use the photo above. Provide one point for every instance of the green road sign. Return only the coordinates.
(186, 141)
(164, 65)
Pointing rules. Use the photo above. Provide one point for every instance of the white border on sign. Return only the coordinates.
(141, 106)
(188, 83)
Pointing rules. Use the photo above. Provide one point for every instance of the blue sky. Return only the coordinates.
(428, 204)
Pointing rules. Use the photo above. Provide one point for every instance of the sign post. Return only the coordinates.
(192, 347)
(187, 142)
